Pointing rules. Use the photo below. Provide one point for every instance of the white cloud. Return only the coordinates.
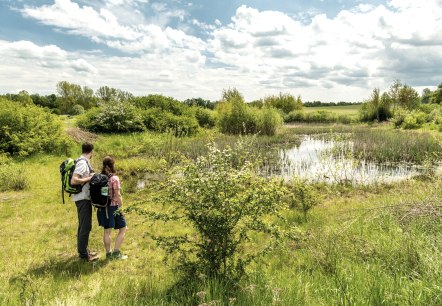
(357, 48)
(80, 20)
(259, 52)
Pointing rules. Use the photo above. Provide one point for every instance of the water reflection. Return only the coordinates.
(319, 159)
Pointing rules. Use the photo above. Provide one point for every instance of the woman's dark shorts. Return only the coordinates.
(116, 219)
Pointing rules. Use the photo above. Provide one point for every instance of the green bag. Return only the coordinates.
(67, 168)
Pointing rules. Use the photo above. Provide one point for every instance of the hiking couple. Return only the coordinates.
(109, 217)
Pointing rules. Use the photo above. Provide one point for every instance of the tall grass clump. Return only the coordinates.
(395, 146)
(13, 177)
(236, 117)
(28, 129)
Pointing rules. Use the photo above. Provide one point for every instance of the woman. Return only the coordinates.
(111, 216)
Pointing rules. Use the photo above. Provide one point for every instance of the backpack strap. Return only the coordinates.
(62, 190)
(87, 163)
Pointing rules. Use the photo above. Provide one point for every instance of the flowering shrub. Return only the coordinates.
(113, 117)
(226, 205)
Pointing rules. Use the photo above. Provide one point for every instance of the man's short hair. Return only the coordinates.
(86, 148)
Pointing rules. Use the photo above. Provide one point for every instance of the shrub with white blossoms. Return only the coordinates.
(231, 212)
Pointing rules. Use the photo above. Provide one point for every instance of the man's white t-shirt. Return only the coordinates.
(82, 169)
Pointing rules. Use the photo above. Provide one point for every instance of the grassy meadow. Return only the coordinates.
(368, 245)
(349, 110)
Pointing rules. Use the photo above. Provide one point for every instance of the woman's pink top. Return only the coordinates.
(114, 184)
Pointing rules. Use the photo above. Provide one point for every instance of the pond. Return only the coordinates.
(321, 159)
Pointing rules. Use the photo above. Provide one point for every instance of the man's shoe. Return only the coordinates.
(90, 258)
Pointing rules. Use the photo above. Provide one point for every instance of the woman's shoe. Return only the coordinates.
(118, 255)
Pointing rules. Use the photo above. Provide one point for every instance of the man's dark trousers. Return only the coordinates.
(84, 210)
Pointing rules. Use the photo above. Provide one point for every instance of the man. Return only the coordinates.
(82, 175)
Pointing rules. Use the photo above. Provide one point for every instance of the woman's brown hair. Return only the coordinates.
(108, 165)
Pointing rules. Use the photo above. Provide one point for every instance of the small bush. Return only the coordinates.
(268, 121)
(302, 196)
(26, 130)
(205, 117)
(236, 117)
(13, 178)
(113, 117)
(409, 119)
(295, 116)
(77, 110)
(159, 120)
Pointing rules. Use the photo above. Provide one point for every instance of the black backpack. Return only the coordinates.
(99, 189)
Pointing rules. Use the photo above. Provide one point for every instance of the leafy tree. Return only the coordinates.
(378, 107)
(73, 94)
(199, 102)
(232, 94)
(408, 97)
(49, 101)
(285, 102)
(394, 93)
(426, 96)
(108, 94)
(69, 94)
(24, 98)
(437, 95)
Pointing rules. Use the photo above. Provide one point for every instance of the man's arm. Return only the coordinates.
(79, 177)
(78, 180)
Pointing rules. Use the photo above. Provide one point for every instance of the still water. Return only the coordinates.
(319, 159)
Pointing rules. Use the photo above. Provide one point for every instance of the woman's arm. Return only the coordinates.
(118, 198)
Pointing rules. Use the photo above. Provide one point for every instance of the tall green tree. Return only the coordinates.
(426, 96)
(394, 93)
(108, 94)
(408, 97)
(24, 98)
(69, 95)
(437, 95)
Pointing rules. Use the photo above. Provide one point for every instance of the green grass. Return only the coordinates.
(350, 110)
(369, 245)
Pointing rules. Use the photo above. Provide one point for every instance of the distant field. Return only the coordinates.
(351, 110)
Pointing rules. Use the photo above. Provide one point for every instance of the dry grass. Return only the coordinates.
(80, 135)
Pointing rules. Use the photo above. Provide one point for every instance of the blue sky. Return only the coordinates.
(320, 49)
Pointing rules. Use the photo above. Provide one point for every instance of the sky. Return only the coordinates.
(322, 50)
